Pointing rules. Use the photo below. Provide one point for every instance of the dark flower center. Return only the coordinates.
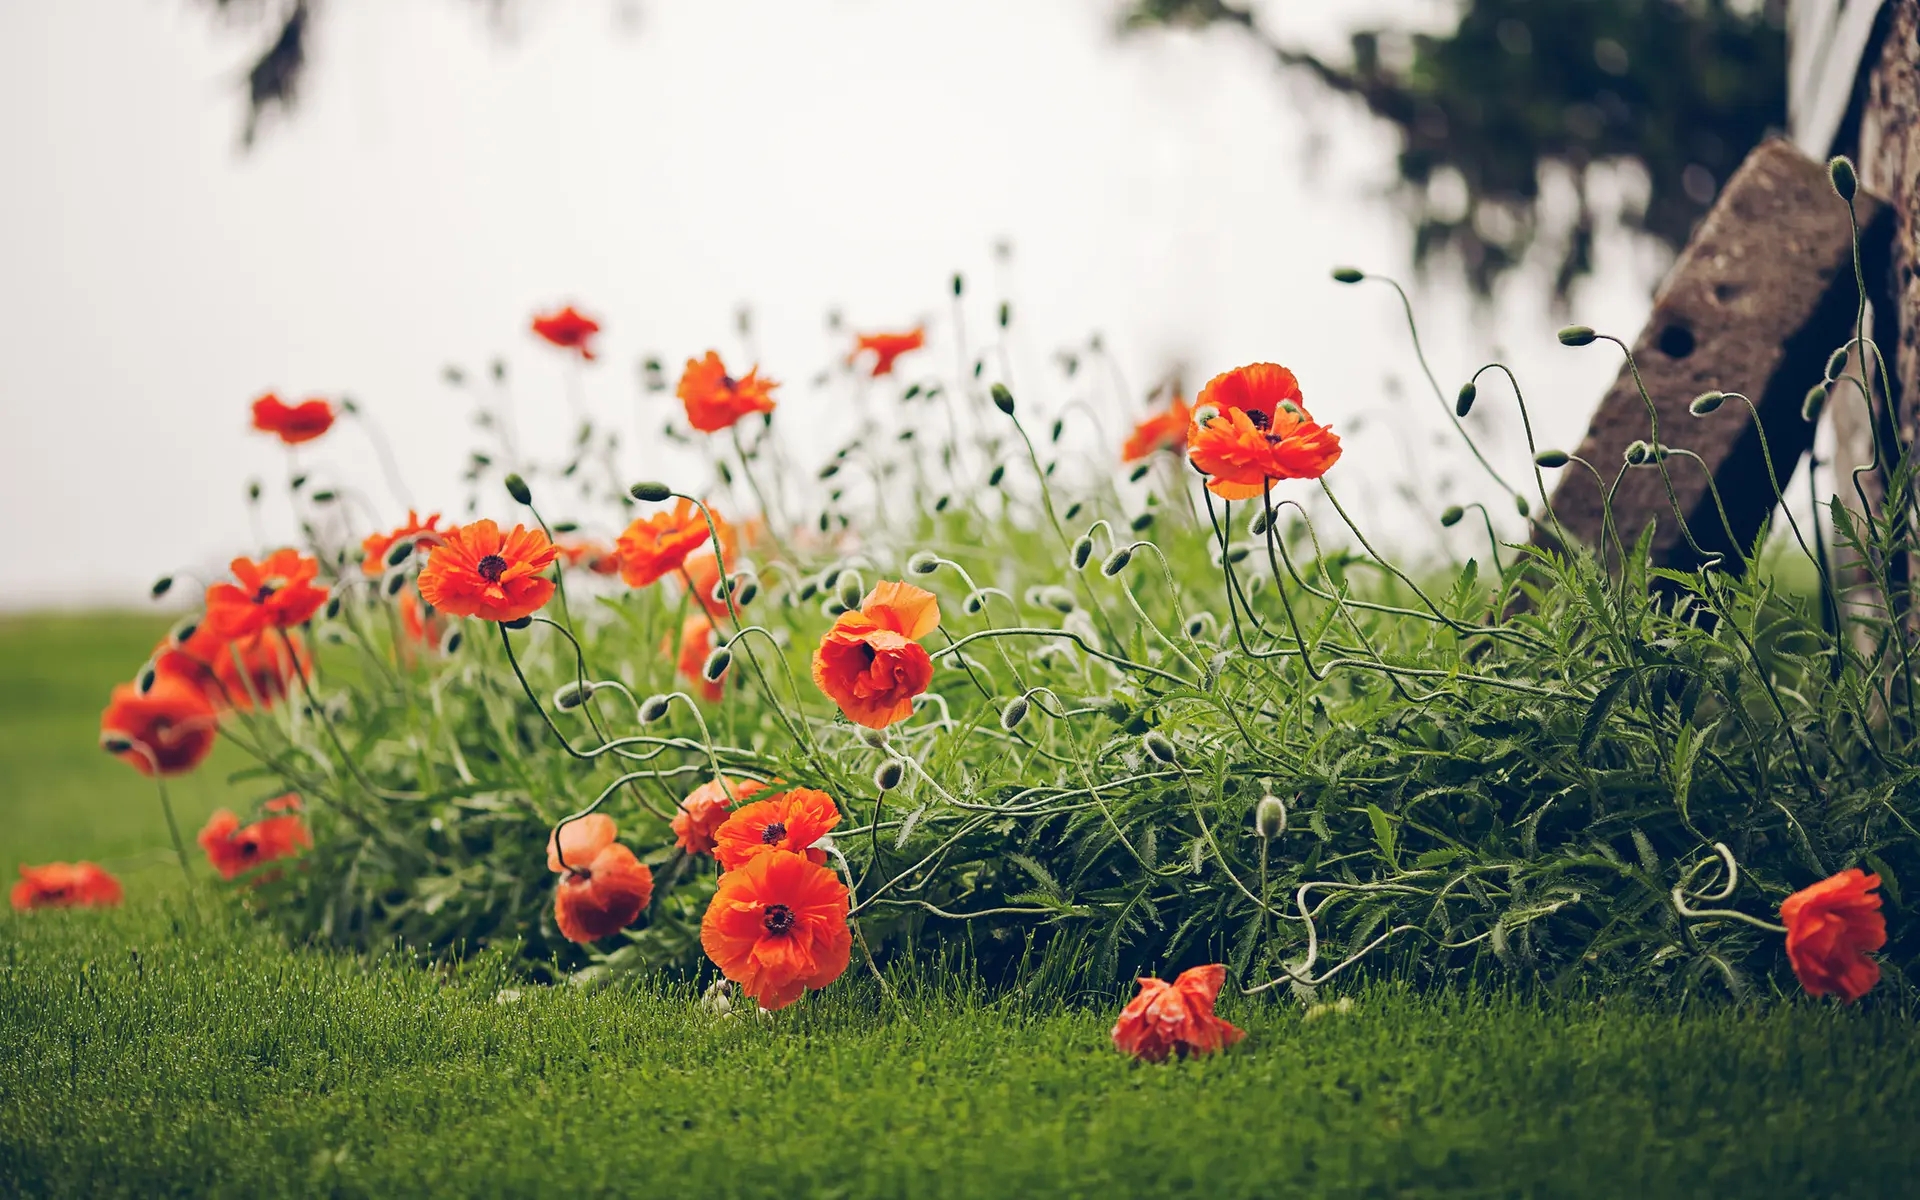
(779, 919)
(1259, 418)
(773, 832)
(492, 567)
(729, 382)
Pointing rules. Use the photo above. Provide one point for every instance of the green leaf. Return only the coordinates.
(1383, 833)
(1597, 712)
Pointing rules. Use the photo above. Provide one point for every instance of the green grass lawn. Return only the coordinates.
(161, 1050)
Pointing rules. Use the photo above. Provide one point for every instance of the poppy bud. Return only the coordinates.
(1117, 561)
(454, 639)
(959, 284)
(1840, 171)
(653, 492)
(326, 496)
(1141, 522)
(924, 562)
(395, 583)
(1816, 400)
(1059, 599)
(333, 607)
(830, 470)
(974, 603)
(1006, 315)
(1706, 402)
(516, 487)
(143, 683)
(1638, 453)
(1204, 415)
(1469, 392)
(888, 774)
(253, 491)
(1521, 506)
(850, 588)
(994, 476)
(1577, 335)
(1156, 745)
(653, 708)
(833, 608)
(716, 664)
(746, 587)
(1073, 510)
(1059, 427)
(1269, 818)
(1082, 551)
(1014, 713)
(1836, 363)
(569, 696)
(1451, 515)
(1234, 554)
(1348, 275)
(453, 375)
(809, 588)
(114, 743)
(877, 738)
(298, 481)
(1139, 473)
(184, 631)
(517, 623)
(1550, 459)
(940, 505)
(162, 586)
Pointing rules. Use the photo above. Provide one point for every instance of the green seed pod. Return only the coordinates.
(1550, 459)
(1577, 335)
(653, 708)
(851, 589)
(1706, 402)
(924, 562)
(1117, 561)
(1845, 182)
(1014, 713)
(1158, 747)
(1814, 404)
(652, 492)
(517, 488)
(1082, 551)
(1002, 398)
(1451, 515)
(1463, 404)
(888, 774)
(716, 664)
(1348, 275)
(1269, 818)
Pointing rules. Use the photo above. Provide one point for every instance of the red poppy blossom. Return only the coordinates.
(715, 399)
(705, 809)
(292, 423)
(236, 673)
(1831, 928)
(778, 926)
(597, 557)
(696, 643)
(657, 545)
(276, 593)
(373, 550)
(234, 849)
(871, 663)
(1164, 430)
(170, 726)
(477, 571)
(603, 887)
(703, 571)
(419, 622)
(886, 347)
(787, 823)
(1175, 1018)
(65, 885)
(568, 329)
(1249, 429)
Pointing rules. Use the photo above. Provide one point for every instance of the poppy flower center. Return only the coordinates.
(773, 832)
(779, 919)
(729, 382)
(492, 567)
(1259, 418)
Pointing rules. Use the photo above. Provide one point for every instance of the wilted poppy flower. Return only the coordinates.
(603, 887)
(234, 849)
(777, 927)
(1249, 428)
(1831, 927)
(373, 550)
(657, 545)
(276, 593)
(870, 662)
(715, 399)
(1175, 1018)
(1164, 430)
(885, 347)
(236, 673)
(65, 885)
(790, 823)
(477, 571)
(172, 721)
(292, 423)
(569, 330)
(696, 643)
(705, 809)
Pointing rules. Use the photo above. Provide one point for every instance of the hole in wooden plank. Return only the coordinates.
(1676, 341)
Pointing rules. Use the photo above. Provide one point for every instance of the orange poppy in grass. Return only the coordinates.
(715, 399)
(478, 571)
(568, 329)
(705, 809)
(778, 926)
(658, 545)
(170, 726)
(696, 643)
(235, 673)
(373, 550)
(603, 887)
(703, 571)
(277, 592)
(1249, 428)
(597, 557)
(871, 663)
(787, 823)
(1164, 430)
(1175, 1018)
(292, 423)
(885, 347)
(1831, 927)
(234, 849)
(65, 885)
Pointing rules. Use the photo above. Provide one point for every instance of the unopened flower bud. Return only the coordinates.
(1550, 459)
(1117, 561)
(974, 603)
(1139, 473)
(143, 683)
(327, 496)
(959, 283)
(114, 743)
(653, 708)
(1234, 554)
(1348, 275)
(998, 473)
(1521, 506)
(1270, 817)
(1157, 746)
(850, 589)
(1014, 713)
(809, 588)
(1840, 171)
(1059, 599)
(1638, 453)
(1073, 510)
(746, 587)
(877, 738)
(716, 664)
(183, 632)
(1706, 402)
(888, 774)
(162, 586)
(1836, 363)
(1082, 551)
(517, 623)
(401, 549)
(253, 491)
(1141, 522)
(1257, 527)
(1463, 404)
(333, 607)
(394, 583)
(454, 641)
(1002, 398)
(1577, 335)
(653, 492)
(1815, 403)
(924, 562)
(1451, 516)
(569, 696)
(940, 504)
(517, 488)
(1059, 427)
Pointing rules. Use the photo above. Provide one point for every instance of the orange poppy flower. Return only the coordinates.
(870, 663)
(1249, 428)
(65, 885)
(703, 570)
(422, 625)
(777, 927)
(172, 721)
(568, 329)
(790, 823)
(657, 545)
(886, 347)
(705, 809)
(696, 642)
(715, 399)
(1831, 927)
(1164, 430)
(373, 550)
(1175, 1017)
(234, 849)
(233, 674)
(603, 887)
(292, 423)
(477, 571)
(277, 593)
(597, 557)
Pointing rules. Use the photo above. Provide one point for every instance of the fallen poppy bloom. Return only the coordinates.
(778, 926)
(170, 726)
(65, 885)
(292, 423)
(787, 823)
(1164, 430)
(568, 329)
(275, 593)
(715, 399)
(1831, 928)
(705, 809)
(696, 643)
(1175, 1017)
(234, 849)
(374, 549)
(1249, 429)
(658, 545)
(603, 887)
(886, 347)
(477, 571)
(871, 663)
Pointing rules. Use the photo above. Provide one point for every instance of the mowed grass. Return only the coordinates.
(162, 1049)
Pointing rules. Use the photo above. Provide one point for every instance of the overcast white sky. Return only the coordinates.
(441, 181)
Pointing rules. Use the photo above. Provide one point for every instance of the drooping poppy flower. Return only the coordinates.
(568, 329)
(478, 571)
(292, 423)
(170, 726)
(597, 557)
(656, 545)
(715, 399)
(374, 549)
(1831, 928)
(234, 849)
(777, 927)
(787, 823)
(1250, 428)
(696, 643)
(871, 663)
(705, 809)
(1175, 1018)
(65, 885)
(276, 593)
(1164, 430)
(886, 347)
(603, 887)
